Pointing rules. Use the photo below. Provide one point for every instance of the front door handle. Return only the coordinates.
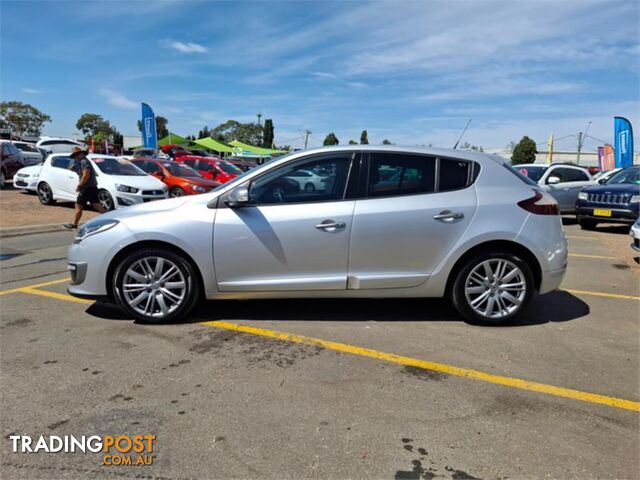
(330, 225)
(448, 216)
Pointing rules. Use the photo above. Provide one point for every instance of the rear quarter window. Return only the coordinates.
(456, 174)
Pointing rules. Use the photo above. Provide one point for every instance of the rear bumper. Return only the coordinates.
(551, 280)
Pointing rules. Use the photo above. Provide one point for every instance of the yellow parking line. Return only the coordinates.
(37, 285)
(437, 367)
(602, 294)
(600, 257)
(581, 237)
(56, 295)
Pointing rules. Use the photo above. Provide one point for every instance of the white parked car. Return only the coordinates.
(120, 183)
(58, 145)
(308, 181)
(27, 178)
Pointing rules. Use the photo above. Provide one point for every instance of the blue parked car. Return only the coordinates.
(616, 201)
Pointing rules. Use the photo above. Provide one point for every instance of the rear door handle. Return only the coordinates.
(448, 216)
(330, 225)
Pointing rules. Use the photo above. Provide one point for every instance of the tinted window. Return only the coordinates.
(576, 175)
(534, 173)
(285, 185)
(61, 162)
(180, 170)
(190, 163)
(228, 168)
(400, 174)
(453, 174)
(27, 147)
(565, 174)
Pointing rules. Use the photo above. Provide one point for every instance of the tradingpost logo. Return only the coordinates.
(116, 450)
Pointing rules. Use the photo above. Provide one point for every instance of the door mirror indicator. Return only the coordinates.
(553, 180)
(238, 197)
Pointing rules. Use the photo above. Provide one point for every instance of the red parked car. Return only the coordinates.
(211, 167)
(180, 179)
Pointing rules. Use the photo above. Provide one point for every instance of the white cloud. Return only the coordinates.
(184, 47)
(117, 99)
(32, 91)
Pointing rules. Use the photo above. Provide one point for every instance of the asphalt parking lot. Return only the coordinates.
(328, 389)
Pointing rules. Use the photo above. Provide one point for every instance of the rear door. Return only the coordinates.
(415, 209)
(64, 180)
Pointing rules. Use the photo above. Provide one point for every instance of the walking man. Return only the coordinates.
(87, 186)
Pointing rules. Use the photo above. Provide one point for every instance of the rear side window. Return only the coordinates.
(455, 174)
(61, 162)
(393, 174)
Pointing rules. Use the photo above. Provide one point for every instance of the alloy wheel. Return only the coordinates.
(105, 200)
(44, 192)
(495, 288)
(154, 286)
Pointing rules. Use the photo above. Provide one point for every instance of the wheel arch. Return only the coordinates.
(497, 245)
(148, 244)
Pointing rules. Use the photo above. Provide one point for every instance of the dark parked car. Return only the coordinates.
(616, 201)
(10, 162)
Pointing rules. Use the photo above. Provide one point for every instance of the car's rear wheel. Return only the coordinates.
(3, 179)
(492, 287)
(586, 224)
(176, 192)
(45, 194)
(155, 285)
(106, 200)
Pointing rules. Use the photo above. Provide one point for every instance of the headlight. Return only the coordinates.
(196, 188)
(93, 227)
(583, 196)
(126, 188)
(635, 199)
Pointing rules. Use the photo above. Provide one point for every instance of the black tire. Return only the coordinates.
(191, 296)
(106, 200)
(45, 194)
(3, 179)
(459, 298)
(309, 188)
(587, 224)
(176, 192)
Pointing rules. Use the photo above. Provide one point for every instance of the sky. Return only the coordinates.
(412, 72)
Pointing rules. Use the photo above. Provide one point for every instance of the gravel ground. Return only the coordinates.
(15, 203)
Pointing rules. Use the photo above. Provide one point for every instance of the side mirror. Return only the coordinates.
(602, 181)
(553, 180)
(238, 197)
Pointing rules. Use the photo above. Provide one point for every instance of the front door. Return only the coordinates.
(409, 220)
(289, 238)
(572, 181)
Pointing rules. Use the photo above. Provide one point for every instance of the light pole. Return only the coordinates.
(259, 115)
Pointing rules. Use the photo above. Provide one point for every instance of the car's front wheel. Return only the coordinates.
(155, 285)
(176, 192)
(45, 194)
(492, 287)
(106, 200)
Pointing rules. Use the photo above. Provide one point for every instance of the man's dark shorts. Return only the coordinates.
(88, 194)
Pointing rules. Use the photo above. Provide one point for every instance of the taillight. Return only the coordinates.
(540, 204)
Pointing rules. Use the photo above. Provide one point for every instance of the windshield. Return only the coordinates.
(628, 175)
(117, 166)
(229, 168)
(179, 170)
(533, 173)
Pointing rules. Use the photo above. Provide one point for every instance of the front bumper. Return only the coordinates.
(625, 216)
(125, 199)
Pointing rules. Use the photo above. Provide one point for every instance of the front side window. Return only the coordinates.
(287, 185)
(61, 162)
(564, 174)
(400, 174)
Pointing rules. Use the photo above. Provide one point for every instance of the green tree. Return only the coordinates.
(267, 137)
(92, 124)
(524, 152)
(386, 142)
(22, 118)
(352, 142)
(161, 126)
(331, 139)
(204, 133)
(364, 138)
(250, 133)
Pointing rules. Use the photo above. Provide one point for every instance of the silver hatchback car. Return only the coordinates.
(380, 222)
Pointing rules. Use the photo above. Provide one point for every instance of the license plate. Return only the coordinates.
(601, 212)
